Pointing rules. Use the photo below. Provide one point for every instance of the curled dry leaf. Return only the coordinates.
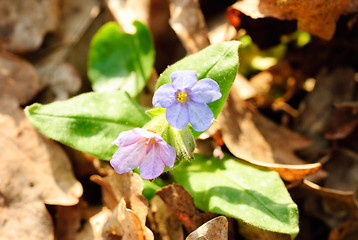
(127, 186)
(182, 204)
(123, 224)
(24, 23)
(337, 204)
(163, 222)
(253, 138)
(35, 171)
(316, 17)
(188, 22)
(215, 229)
(18, 78)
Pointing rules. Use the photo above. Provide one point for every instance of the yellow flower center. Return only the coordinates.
(182, 97)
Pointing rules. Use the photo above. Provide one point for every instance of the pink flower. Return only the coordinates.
(144, 149)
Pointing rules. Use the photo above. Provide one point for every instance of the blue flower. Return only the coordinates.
(185, 100)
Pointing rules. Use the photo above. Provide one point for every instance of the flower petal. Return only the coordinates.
(164, 96)
(126, 138)
(151, 166)
(205, 91)
(183, 79)
(129, 157)
(167, 153)
(200, 116)
(146, 134)
(177, 115)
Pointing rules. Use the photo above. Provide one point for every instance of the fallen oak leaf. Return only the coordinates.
(182, 204)
(214, 229)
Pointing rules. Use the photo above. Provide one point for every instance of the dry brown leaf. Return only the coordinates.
(80, 221)
(188, 22)
(317, 17)
(332, 87)
(250, 232)
(90, 222)
(34, 171)
(261, 9)
(220, 29)
(346, 231)
(127, 11)
(215, 229)
(24, 23)
(24, 220)
(346, 199)
(75, 18)
(123, 224)
(336, 205)
(128, 186)
(244, 87)
(163, 222)
(18, 78)
(182, 204)
(253, 138)
(343, 122)
(59, 79)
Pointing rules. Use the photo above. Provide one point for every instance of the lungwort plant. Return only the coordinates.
(110, 125)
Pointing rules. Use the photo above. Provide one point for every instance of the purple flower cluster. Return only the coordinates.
(185, 100)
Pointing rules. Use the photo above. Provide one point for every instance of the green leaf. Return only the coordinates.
(149, 189)
(218, 62)
(155, 112)
(233, 188)
(118, 60)
(89, 122)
